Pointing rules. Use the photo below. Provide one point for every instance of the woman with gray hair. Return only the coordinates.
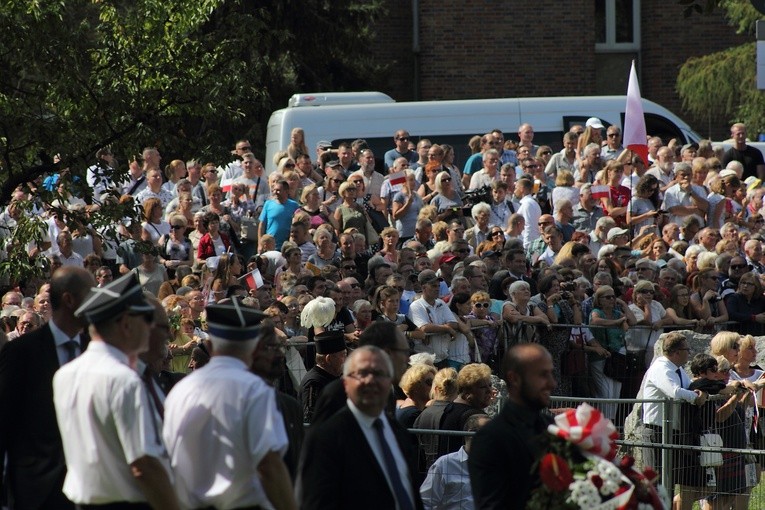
(522, 317)
(448, 202)
(480, 232)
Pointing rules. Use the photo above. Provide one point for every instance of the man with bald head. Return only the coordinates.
(539, 245)
(29, 434)
(503, 451)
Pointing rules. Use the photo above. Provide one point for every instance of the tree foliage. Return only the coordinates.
(723, 84)
(190, 77)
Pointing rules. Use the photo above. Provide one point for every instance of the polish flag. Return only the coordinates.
(599, 192)
(225, 185)
(634, 120)
(253, 280)
(397, 179)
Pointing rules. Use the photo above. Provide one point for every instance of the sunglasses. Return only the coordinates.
(337, 180)
(177, 227)
(289, 165)
(546, 153)
(496, 233)
(403, 138)
(613, 135)
(740, 266)
(481, 305)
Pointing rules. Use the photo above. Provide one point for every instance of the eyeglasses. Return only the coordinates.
(482, 305)
(362, 375)
(532, 166)
(177, 227)
(646, 291)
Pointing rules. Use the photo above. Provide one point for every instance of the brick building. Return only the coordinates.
(492, 48)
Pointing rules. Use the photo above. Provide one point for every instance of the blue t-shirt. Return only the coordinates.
(473, 163)
(278, 218)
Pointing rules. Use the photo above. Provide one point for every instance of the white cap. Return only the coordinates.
(594, 122)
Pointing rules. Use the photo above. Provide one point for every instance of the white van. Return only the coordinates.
(374, 116)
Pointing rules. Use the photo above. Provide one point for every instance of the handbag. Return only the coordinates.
(574, 362)
(711, 459)
(616, 367)
(248, 229)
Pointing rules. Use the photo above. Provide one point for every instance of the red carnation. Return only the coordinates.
(627, 462)
(597, 481)
(555, 473)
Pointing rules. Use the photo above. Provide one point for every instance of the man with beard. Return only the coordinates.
(504, 450)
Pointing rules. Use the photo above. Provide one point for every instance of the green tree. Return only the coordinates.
(187, 76)
(723, 84)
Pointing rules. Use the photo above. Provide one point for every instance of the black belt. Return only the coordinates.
(119, 505)
(257, 507)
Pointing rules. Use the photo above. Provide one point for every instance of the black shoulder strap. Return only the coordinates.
(136, 184)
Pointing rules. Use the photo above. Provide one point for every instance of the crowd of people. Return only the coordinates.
(589, 252)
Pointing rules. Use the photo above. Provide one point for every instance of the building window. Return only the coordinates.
(617, 25)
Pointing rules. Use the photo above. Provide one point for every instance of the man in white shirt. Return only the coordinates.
(663, 168)
(112, 439)
(530, 211)
(447, 486)
(666, 378)
(684, 198)
(245, 468)
(433, 317)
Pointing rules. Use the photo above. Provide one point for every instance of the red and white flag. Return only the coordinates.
(600, 191)
(634, 120)
(253, 279)
(397, 178)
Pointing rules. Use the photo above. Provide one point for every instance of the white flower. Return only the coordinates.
(609, 472)
(584, 494)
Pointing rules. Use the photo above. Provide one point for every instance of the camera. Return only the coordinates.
(565, 295)
(568, 286)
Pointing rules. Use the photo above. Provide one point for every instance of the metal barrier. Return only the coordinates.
(732, 485)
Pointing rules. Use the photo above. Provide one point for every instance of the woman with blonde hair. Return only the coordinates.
(350, 214)
(448, 201)
(297, 144)
(416, 384)
(442, 393)
(174, 172)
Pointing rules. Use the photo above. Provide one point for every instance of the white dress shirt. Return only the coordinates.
(662, 381)
(447, 486)
(106, 423)
(366, 423)
(220, 421)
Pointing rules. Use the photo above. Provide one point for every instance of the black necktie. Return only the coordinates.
(148, 380)
(71, 350)
(680, 375)
(402, 497)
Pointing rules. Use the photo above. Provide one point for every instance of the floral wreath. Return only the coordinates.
(580, 471)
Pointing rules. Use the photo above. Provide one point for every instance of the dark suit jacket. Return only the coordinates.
(28, 429)
(338, 469)
(501, 456)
